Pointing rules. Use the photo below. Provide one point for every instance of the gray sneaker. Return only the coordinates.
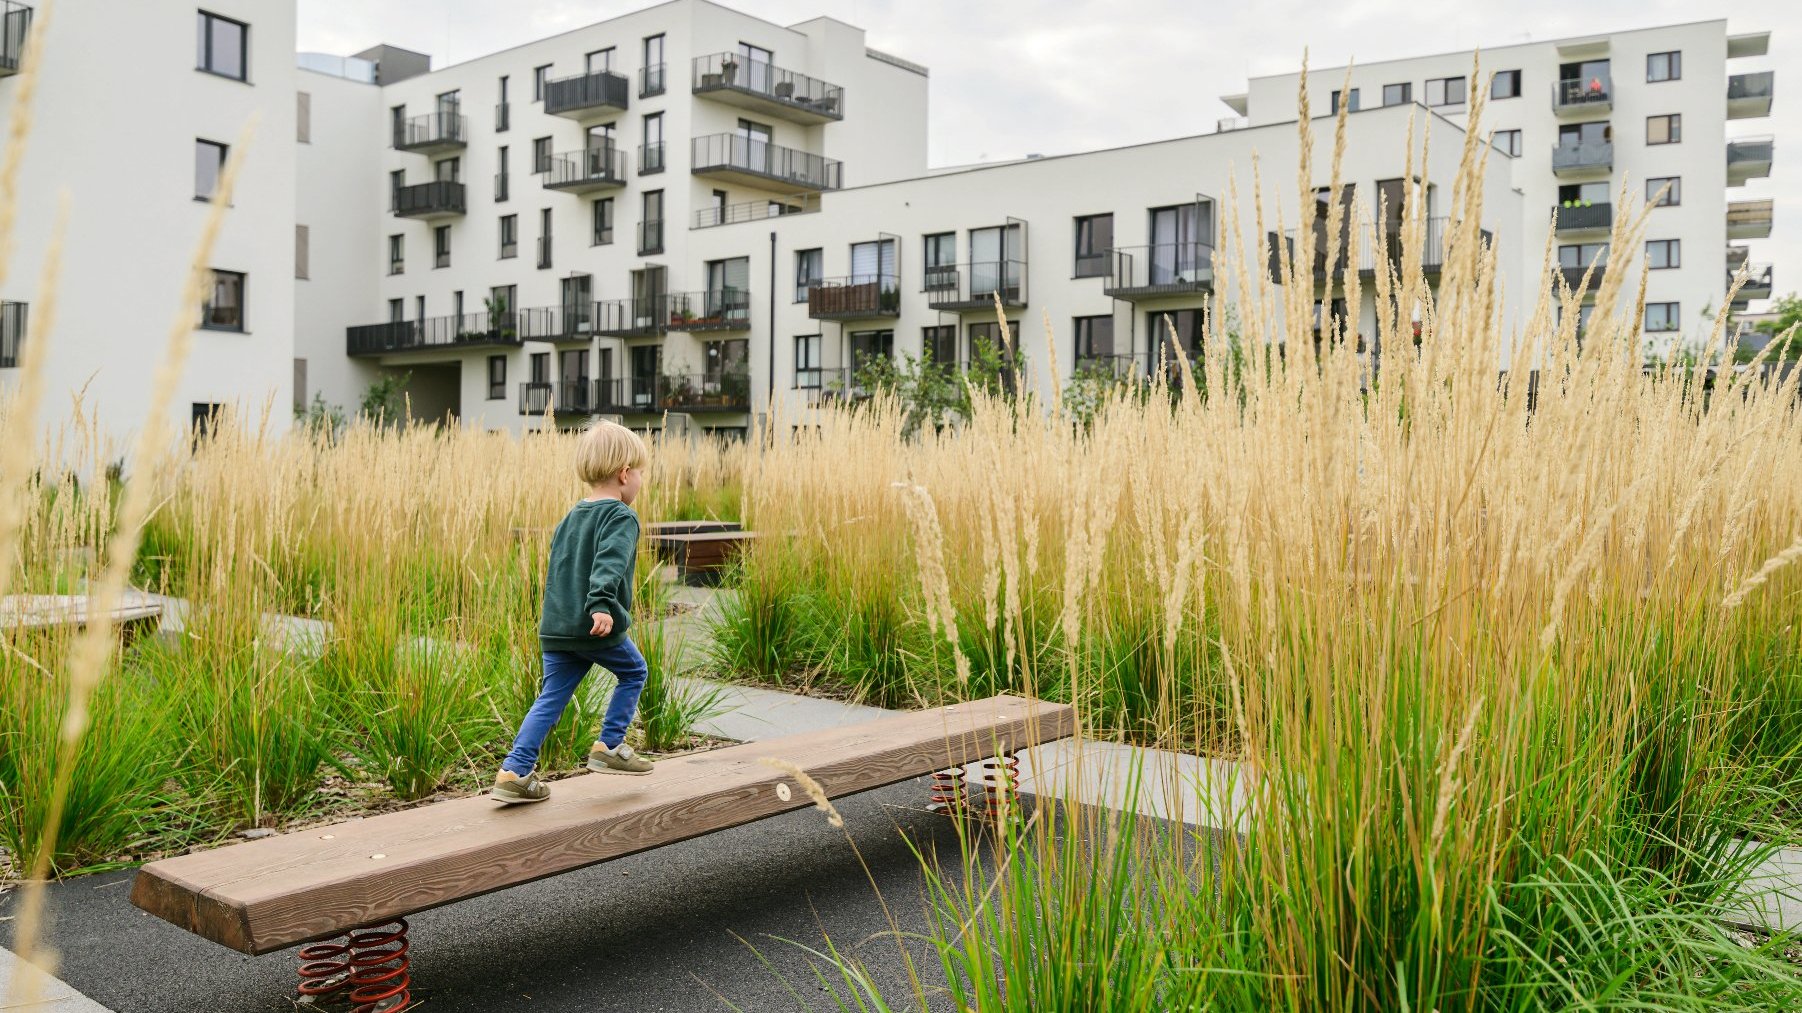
(624, 760)
(513, 789)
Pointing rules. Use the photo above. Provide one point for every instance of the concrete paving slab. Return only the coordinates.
(1774, 896)
(52, 995)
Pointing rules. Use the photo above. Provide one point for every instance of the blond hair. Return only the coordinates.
(606, 449)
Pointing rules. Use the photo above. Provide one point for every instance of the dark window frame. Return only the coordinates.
(1355, 103)
(1672, 199)
(599, 236)
(1673, 129)
(813, 367)
(1097, 266)
(1513, 79)
(1445, 91)
(508, 224)
(224, 151)
(204, 59)
(397, 253)
(441, 246)
(243, 303)
(1673, 254)
(1407, 94)
(1672, 318)
(804, 279)
(1673, 66)
(539, 76)
(497, 386)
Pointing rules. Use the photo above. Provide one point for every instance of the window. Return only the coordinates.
(1662, 316)
(1398, 94)
(209, 162)
(501, 301)
(300, 386)
(1094, 237)
(1094, 340)
(1505, 84)
(1445, 91)
(1584, 194)
(497, 377)
(397, 254)
(447, 170)
(397, 311)
(541, 367)
(224, 310)
(940, 342)
(544, 238)
(603, 221)
(457, 305)
(1577, 257)
(441, 246)
(1667, 129)
(808, 267)
(1577, 135)
(650, 222)
(539, 74)
(303, 117)
(868, 346)
(397, 181)
(419, 307)
(509, 237)
(653, 67)
(941, 260)
(501, 110)
(221, 47)
(1663, 253)
(1664, 66)
(302, 240)
(650, 156)
(1350, 106)
(1186, 323)
(541, 154)
(1508, 142)
(1659, 197)
(501, 176)
(397, 124)
(807, 362)
(599, 62)
(203, 418)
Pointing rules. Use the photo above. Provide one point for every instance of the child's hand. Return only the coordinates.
(603, 624)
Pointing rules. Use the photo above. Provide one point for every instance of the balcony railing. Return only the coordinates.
(976, 286)
(858, 297)
(562, 397)
(632, 318)
(1573, 274)
(586, 96)
(432, 132)
(1144, 272)
(1749, 95)
(503, 117)
(755, 84)
(684, 392)
(650, 158)
(757, 210)
(1585, 157)
(652, 80)
(440, 198)
(1583, 217)
(716, 310)
(598, 168)
(15, 25)
(1758, 282)
(12, 332)
(650, 237)
(1749, 158)
(451, 332)
(1392, 249)
(1750, 219)
(1592, 94)
(740, 159)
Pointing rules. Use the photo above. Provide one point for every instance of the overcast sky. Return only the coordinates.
(1011, 77)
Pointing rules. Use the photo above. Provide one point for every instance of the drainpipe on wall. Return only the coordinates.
(769, 400)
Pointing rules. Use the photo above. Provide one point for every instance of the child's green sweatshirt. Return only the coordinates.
(593, 553)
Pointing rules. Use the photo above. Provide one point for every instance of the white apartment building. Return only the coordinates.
(1655, 109)
(689, 209)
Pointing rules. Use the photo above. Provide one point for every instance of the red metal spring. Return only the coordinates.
(1001, 784)
(324, 969)
(948, 791)
(379, 980)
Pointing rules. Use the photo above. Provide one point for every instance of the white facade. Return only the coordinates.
(1549, 92)
(370, 221)
(118, 113)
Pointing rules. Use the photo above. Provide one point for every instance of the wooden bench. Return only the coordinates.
(265, 895)
(135, 612)
(702, 557)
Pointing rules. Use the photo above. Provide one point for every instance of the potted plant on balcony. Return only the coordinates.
(729, 69)
(735, 389)
(785, 90)
(498, 319)
(675, 389)
(888, 299)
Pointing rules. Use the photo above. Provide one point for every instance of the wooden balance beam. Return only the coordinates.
(135, 612)
(265, 895)
(701, 557)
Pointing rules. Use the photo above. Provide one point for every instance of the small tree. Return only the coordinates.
(384, 398)
(320, 417)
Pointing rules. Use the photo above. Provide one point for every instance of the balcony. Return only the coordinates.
(1573, 275)
(452, 333)
(1160, 271)
(1578, 217)
(682, 392)
(586, 97)
(1432, 250)
(631, 318)
(15, 25)
(976, 286)
(1750, 219)
(573, 324)
(1757, 286)
(586, 171)
(650, 237)
(1586, 159)
(1583, 96)
(859, 297)
(767, 88)
(12, 333)
(700, 312)
(1749, 95)
(433, 133)
(429, 202)
(737, 159)
(756, 210)
(564, 397)
(1748, 158)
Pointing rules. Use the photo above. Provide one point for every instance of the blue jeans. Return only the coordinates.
(563, 672)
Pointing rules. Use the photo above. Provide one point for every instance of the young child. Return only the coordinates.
(587, 611)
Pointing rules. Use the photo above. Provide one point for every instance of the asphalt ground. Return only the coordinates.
(656, 932)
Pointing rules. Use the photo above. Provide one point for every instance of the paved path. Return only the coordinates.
(53, 995)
